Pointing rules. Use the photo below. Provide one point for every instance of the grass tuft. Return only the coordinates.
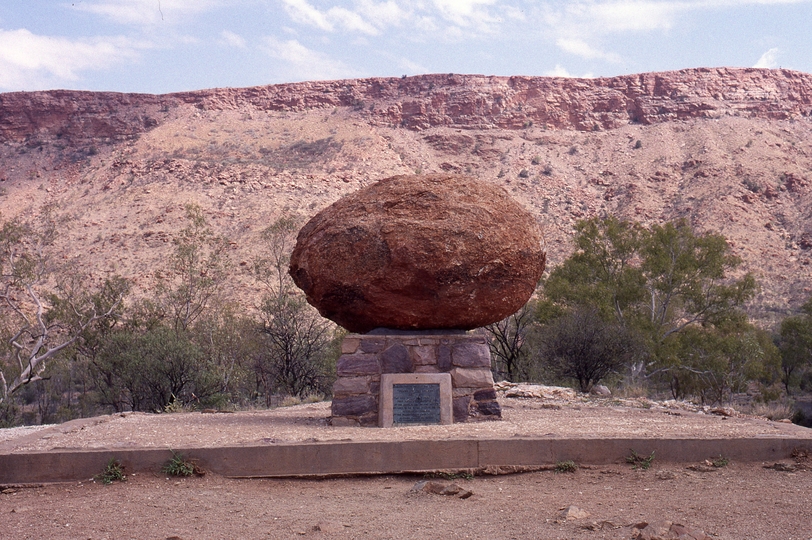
(180, 466)
(568, 466)
(639, 462)
(113, 472)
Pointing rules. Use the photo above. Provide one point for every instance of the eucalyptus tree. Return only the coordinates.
(657, 283)
(297, 356)
(795, 344)
(44, 309)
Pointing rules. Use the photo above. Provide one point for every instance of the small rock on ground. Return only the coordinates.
(666, 530)
(441, 488)
(572, 512)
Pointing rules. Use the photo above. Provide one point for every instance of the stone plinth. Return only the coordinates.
(365, 357)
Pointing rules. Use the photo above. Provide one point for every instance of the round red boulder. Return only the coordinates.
(420, 252)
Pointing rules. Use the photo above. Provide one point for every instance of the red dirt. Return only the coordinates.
(737, 501)
(734, 502)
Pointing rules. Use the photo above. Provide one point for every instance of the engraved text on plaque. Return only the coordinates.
(416, 404)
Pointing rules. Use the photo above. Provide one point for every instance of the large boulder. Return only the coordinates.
(419, 252)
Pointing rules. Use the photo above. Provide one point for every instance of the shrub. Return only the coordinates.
(113, 472)
(178, 465)
(775, 410)
(639, 462)
(155, 371)
(582, 346)
(751, 184)
(566, 467)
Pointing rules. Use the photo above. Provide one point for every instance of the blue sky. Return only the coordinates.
(159, 46)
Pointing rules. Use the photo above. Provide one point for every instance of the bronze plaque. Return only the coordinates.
(415, 404)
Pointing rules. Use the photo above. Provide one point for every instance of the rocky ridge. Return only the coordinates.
(425, 101)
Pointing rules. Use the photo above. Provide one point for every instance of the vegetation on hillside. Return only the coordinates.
(648, 310)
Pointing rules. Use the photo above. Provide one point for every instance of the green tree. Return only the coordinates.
(42, 313)
(181, 346)
(583, 346)
(229, 341)
(795, 344)
(686, 279)
(197, 271)
(148, 371)
(714, 362)
(602, 271)
(657, 283)
(108, 298)
(508, 341)
(297, 357)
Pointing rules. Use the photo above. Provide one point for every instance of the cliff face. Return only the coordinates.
(730, 150)
(422, 102)
(74, 116)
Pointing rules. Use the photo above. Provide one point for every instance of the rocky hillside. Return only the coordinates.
(728, 149)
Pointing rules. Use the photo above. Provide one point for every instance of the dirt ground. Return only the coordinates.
(734, 501)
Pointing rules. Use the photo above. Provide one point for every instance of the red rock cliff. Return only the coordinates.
(466, 101)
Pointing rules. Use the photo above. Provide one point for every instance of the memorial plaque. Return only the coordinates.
(415, 398)
(416, 404)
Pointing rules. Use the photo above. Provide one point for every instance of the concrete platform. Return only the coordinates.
(298, 441)
(378, 457)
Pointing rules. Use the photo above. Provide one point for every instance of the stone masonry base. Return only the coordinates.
(365, 357)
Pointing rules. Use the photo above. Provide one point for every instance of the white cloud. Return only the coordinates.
(412, 68)
(351, 21)
(425, 24)
(146, 12)
(304, 13)
(443, 19)
(584, 50)
(768, 60)
(580, 27)
(587, 18)
(558, 71)
(753, 2)
(383, 14)
(306, 64)
(636, 16)
(230, 39)
(29, 61)
(466, 12)
(577, 27)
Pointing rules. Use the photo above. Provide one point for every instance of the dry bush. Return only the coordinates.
(637, 389)
(774, 410)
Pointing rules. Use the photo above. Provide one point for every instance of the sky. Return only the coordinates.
(162, 46)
